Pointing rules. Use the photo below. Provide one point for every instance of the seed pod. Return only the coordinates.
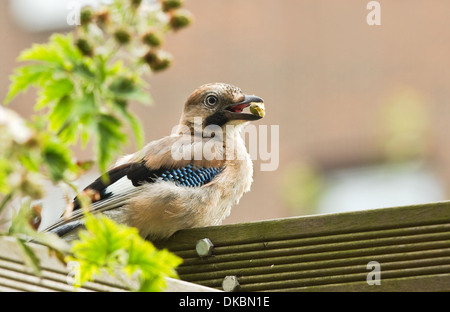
(122, 85)
(180, 19)
(84, 46)
(159, 60)
(86, 15)
(152, 39)
(168, 5)
(135, 3)
(257, 109)
(102, 17)
(122, 36)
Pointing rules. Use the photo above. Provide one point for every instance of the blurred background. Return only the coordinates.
(363, 111)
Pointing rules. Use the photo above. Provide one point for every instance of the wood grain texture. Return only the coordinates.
(15, 275)
(325, 252)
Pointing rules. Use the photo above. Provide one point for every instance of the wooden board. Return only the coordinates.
(325, 252)
(313, 253)
(15, 275)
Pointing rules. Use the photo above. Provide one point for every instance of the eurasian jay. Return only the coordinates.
(189, 179)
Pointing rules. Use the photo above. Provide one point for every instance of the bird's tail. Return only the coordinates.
(66, 225)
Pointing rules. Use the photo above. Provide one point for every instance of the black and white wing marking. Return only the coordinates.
(190, 176)
(125, 180)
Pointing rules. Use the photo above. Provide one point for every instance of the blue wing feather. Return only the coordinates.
(190, 176)
(138, 174)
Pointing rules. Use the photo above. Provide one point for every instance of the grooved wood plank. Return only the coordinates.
(16, 276)
(324, 251)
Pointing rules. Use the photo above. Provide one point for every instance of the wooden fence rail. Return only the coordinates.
(396, 249)
(389, 249)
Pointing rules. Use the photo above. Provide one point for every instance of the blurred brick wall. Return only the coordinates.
(323, 72)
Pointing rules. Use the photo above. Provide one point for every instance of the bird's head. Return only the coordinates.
(219, 104)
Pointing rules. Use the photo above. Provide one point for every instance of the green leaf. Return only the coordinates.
(54, 90)
(65, 46)
(109, 139)
(57, 158)
(138, 95)
(59, 54)
(122, 85)
(41, 52)
(84, 70)
(59, 50)
(27, 76)
(129, 89)
(85, 107)
(6, 169)
(74, 116)
(136, 126)
(115, 68)
(68, 132)
(60, 114)
(134, 122)
(108, 246)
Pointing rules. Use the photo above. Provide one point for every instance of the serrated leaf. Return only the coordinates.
(122, 85)
(109, 139)
(60, 113)
(57, 54)
(26, 76)
(66, 46)
(115, 68)
(85, 108)
(58, 50)
(134, 122)
(68, 132)
(106, 245)
(57, 158)
(136, 126)
(54, 90)
(83, 70)
(41, 52)
(137, 95)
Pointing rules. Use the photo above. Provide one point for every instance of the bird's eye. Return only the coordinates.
(211, 100)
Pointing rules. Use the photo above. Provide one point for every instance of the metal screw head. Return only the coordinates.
(230, 283)
(204, 247)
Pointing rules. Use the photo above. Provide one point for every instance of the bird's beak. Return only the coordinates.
(235, 111)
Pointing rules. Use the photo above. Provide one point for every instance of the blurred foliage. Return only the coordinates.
(405, 122)
(23, 229)
(30, 155)
(85, 81)
(87, 78)
(301, 187)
